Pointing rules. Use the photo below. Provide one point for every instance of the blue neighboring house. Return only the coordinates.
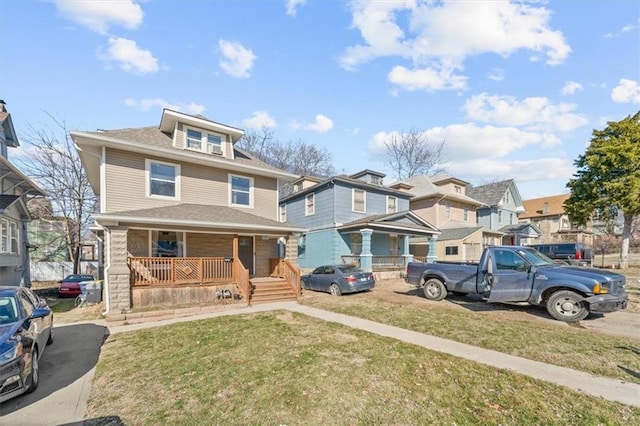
(353, 219)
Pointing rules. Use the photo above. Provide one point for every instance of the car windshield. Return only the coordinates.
(8, 309)
(78, 278)
(534, 257)
(349, 269)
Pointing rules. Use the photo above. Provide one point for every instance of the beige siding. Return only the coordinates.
(425, 209)
(126, 186)
(138, 242)
(209, 245)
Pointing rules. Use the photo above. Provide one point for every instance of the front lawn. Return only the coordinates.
(282, 368)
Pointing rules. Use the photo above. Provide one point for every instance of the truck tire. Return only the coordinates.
(434, 289)
(565, 305)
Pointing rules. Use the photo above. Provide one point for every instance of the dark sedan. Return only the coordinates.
(70, 285)
(338, 279)
(26, 327)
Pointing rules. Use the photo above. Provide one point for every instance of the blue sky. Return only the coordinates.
(514, 88)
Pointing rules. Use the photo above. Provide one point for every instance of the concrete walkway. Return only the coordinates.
(601, 387)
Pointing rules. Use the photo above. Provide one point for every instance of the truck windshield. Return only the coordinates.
(534, 257)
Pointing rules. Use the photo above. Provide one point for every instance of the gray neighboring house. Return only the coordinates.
(502, 204)
(14, 216)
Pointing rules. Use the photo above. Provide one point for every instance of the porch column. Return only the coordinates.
(408, 257)
(432, 256)
(117, 273)
(366, 258)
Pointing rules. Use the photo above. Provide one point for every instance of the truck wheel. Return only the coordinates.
(567, 306)
(434, 290)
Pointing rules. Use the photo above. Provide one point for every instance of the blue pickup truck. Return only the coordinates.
(523, 274)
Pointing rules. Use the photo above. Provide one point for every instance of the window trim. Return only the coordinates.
(353, 200)
(283, 213)
(313, 204)
(204, 140)
(147, 170)
(447, 209)
(230, 182)
(389, 197)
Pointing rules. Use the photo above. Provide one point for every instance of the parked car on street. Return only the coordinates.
(338, 279)
(70, 285)
(26, 327)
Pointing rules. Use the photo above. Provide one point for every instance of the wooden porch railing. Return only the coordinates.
(291, 274)
(148, 271)
(242, 280)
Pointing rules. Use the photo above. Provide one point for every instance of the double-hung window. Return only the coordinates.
(214, 144)
(466, 213)
(392, 204)
(283, 213)
(5, 235)
(447, 210)
(194, 140)
(359, 200)
(14, 237)
(10, 242)
(163, 179)
(241, 191)
(310, 204)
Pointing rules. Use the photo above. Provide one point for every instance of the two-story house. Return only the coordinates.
(183, 211)
(550, 217)
(442, 201)
(502, 203)
(353, 219)
(15, 187)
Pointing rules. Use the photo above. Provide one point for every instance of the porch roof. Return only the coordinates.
(391, 223)
(198, 216)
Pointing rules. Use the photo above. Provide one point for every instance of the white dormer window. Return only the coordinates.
(211, 143)
(376, 180)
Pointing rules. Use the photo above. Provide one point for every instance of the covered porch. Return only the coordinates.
(171, 262)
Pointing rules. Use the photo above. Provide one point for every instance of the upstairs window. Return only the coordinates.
(458, 189)
(376, 180)
(283, 213)
(240, 190)
(500, 217)
(13, 227)
(210, 143)
(359, 198)
(163, 179)
(392, 204)
(447, 210)
(194, 140)
(466, 213)
(310, 204)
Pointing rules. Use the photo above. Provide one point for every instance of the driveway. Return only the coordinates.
(66, 370)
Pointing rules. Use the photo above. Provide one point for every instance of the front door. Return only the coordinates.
(245, 253)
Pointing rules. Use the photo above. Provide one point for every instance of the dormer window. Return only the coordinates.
(376, 180)
(210, 143)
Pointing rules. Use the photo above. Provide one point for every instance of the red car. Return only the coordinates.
(70, 286)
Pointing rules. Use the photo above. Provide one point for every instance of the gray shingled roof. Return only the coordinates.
(199, 215)
(153, 137)
(519, 228)
(423, 187)
(489, 194)
(390, 220)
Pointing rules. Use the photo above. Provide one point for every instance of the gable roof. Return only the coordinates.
(392, 222)
(11, 139)
(199, 216)
(356, 183)
(535, 207)
(491, 194)
(523, 229)
(422, 187)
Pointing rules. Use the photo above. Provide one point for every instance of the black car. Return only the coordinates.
(26, 327)
(566, 252)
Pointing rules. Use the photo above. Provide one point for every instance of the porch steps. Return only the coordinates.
(264, 290)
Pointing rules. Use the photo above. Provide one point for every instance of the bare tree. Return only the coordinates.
(258, 143)
(55, 165)
(410, 154)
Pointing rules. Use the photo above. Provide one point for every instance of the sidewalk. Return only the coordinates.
(601, 387)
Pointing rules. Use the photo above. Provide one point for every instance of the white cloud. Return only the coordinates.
(441, 35)
(98, 16)
(571, 87)
(540, 169)
(292, 6)
(625, 29)
(426, 79)
(322, 124)
(627, 91)
(258, 120)
(531, 113)
(496, 74)
(129, 56)
(237, 60)
(147, 104)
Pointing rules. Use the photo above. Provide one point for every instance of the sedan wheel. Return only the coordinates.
(35, 371)
(335, 289)
(567, 306)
